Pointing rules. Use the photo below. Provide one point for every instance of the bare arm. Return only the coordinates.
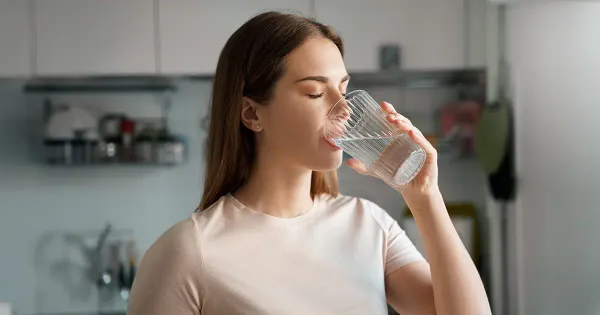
(451, 283)
(409, 290)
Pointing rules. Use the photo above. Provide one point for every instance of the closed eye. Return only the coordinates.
(314, 96)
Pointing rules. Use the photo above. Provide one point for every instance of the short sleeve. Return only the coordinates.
(399, 249)
(169, 276)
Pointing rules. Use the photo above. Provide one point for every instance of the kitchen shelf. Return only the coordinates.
(114, 164)
(420, 79)
(98, 84)
(83, 153)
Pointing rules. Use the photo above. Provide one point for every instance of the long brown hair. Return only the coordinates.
(249, 65)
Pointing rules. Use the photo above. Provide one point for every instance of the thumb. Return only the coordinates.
(358, 167)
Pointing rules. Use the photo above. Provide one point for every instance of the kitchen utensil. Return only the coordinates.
(127, 131)
(145, 144)
(58, 151)
(65, 121)
(357, 124)
(110, 125)
(111, 140)
(458, 122)
(170, 149)
(71, 152)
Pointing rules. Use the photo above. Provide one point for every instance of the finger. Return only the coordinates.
(396, 116)
(388, 108)
(419, 139)
(401, 122)
(357, 166)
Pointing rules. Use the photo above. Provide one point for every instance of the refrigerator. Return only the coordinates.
(553, 232)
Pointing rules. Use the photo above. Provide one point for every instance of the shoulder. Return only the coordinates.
(360, 207)
(183, 237)
(179, 243)
(169, 277)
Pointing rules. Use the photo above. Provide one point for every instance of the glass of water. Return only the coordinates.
(357, 124)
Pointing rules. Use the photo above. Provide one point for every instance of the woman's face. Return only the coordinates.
(314, 79)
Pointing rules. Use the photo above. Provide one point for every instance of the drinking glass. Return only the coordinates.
(357, 124)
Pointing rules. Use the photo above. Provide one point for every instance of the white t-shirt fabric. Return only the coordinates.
(229, 259)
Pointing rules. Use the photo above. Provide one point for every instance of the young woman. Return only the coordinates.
(272, 234)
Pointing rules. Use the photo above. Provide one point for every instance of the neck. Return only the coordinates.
(276, 189)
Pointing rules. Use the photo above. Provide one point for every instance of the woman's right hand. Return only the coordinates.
(425, 185)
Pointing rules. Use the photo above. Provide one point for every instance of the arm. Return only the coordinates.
(451, 284)
(169, 275)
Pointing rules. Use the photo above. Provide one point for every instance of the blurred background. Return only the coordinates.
(103, 119)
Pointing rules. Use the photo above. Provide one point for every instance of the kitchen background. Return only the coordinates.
(41, 203)
(55, 210)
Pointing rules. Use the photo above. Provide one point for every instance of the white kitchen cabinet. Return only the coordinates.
(193, 32)
(15, 55)
(477, 33)
(430, 32)
(92, 37)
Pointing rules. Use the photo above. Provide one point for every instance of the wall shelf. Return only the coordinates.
(420, 79)
(94, 84)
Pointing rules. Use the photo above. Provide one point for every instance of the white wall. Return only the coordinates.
(555, 53)
(40, 272)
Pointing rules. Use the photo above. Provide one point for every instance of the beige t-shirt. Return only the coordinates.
(232, 260)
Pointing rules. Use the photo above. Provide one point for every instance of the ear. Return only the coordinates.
(249, 114)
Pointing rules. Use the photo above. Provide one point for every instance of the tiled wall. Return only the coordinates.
(42, 272)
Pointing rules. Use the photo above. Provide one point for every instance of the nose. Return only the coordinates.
(338, 118)
(340, 108)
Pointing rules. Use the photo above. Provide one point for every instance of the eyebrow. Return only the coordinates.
(322, 78)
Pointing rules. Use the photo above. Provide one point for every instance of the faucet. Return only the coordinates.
(102, 238)
(104, 276)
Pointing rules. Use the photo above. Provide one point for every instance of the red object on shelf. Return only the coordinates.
(459, 121)
(127, 126)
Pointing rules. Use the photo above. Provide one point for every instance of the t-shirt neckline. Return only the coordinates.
(275, 219)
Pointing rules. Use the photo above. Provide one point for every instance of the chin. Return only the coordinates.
(330, 163)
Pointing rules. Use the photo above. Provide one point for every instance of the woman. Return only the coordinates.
(272, 234)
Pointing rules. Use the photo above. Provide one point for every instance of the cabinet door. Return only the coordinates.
(437, 35)
(477, 32)
(15, 55)
(193, 32)
(430, 32)
(95, 37)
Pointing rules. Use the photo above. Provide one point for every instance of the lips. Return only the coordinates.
(331, 144)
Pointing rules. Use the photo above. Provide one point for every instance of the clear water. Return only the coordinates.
(393, 158)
